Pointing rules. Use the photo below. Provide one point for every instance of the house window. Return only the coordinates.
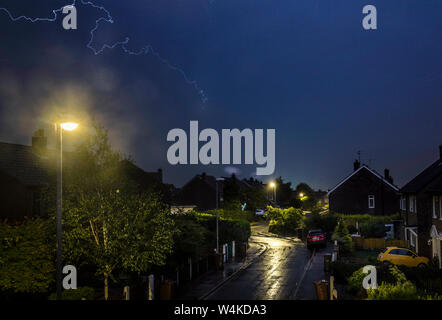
(413, 204)
(371, 203)
(403, 203)
(436, 207)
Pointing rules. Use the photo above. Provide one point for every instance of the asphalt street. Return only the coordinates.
(276, 275)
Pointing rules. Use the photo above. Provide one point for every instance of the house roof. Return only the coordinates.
(424, 178)
(23, 164)
(377, 175)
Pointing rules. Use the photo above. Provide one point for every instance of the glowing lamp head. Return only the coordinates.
(301, 195)
(69, 126)
(272, 185)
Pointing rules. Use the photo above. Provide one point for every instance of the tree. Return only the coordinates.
(343, 237)
(26, 257)
(308, 198)
(106, 221)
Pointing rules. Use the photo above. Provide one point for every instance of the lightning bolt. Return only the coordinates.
(121, 44)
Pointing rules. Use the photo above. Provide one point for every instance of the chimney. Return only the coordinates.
(386, 174)
(39, 141)
(203, 176)
(440, 152)
(356, 165)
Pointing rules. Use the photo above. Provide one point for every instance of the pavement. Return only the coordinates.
(210, 281)
(275, 268)
(314, 271)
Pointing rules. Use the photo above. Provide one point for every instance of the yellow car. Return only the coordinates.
(402, 256)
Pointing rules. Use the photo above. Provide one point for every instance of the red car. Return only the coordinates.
(316, 237)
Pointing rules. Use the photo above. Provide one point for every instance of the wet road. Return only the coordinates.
(275, 275)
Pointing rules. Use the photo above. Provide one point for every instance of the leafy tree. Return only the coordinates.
(326, 222)
(284, 221)
(26, 257)
(343, 237)
(309, 198)
(284, 193)
(107, 222)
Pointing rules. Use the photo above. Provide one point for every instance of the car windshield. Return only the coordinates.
(315, 233)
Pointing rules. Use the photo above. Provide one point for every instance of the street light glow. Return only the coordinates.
(272, 185)
(69, 126)
(301, 195)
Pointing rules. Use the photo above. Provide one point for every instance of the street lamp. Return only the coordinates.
(301, 195)
(217, 215)
(273, 186)
(69, 126)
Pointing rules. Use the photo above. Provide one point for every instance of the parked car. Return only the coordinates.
(316, 237)
(402, 256)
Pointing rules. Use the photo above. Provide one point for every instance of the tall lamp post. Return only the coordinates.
(217, 214)
(69, 126)
(273, 186)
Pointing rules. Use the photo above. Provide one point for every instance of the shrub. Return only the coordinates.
(326, 222)
(83, 293)
(373, 229)
(355, 283)
(399, 291)
(342, 235)
(284, 221)
(343, 271)
(26, 257)
(402, 289)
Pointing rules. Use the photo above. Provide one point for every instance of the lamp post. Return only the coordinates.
(273, 186)
(217, 214)
(69, 126)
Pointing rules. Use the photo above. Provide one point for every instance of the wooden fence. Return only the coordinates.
(378, 243)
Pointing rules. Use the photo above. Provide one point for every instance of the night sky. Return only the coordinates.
(306, 68)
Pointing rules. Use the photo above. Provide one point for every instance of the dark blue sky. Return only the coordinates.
(304, 67)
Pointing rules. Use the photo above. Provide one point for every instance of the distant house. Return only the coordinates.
(421, 211)
(26, 170)
(365, 191)
(200, 191)
(23, 173)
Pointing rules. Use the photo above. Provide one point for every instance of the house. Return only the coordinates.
(421, 211)
(23, 174)
(365, 191)
(26, 170)
(200, 191)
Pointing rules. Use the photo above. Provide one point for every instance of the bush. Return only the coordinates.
(83, 293)
(343, 271)
(27, 257)
(373, 229)
(342, 235)
(355, 283)
(399, 291)
(325, 222)
(284, 221)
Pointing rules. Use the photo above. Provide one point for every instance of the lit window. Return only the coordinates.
(371, 204)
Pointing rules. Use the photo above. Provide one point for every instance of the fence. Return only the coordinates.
(379, 243)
